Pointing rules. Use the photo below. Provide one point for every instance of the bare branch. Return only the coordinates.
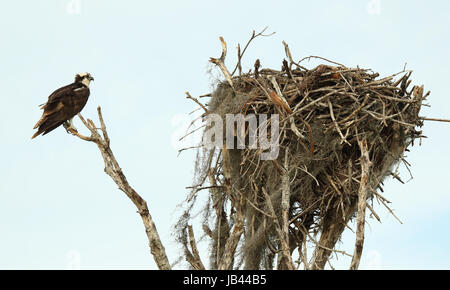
(254, 35)
(319, 57)
(188, 96)
(289, 56)
(285, 199)
(232, 241)
(284, 241)
(362, 196)
(194, 257)
(220, 62)
(113, 169)
(435, 119)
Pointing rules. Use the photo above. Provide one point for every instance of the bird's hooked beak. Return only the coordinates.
(91, 78)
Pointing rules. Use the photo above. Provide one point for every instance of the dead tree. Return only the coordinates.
(113, 169)
(341, 132)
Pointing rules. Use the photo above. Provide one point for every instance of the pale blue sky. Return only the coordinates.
(57, 203)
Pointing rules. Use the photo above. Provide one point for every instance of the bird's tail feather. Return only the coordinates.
(39, 123)
(47, 127)
(39, 132)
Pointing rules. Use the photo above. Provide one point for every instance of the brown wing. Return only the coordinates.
(62, 105)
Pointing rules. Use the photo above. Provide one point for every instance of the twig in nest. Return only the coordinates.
(291, 60)
(188, 96)
(254, 35)
(239, 59)
(277, 98)
(336, 124)
(220, 62)
(257, 66)
(434, 119)
(319, 57)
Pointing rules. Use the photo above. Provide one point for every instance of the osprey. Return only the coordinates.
(63, 104)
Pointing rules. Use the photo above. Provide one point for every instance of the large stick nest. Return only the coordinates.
(323, 113)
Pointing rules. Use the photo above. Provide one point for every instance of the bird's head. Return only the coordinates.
(84, 78)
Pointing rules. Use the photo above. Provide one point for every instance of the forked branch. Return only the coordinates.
(113, 169)
(220, 62)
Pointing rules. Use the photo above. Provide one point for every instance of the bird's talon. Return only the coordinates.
(70, 128)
